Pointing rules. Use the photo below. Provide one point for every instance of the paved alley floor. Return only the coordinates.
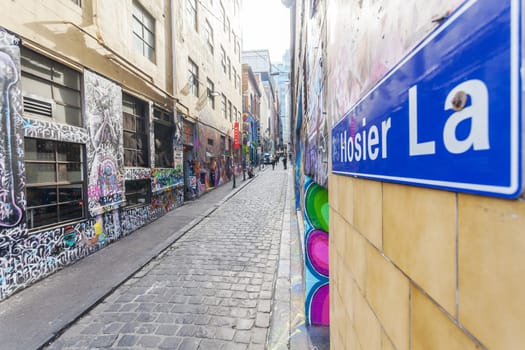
(211, 289)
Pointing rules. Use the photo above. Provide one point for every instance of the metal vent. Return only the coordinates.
(38, 106)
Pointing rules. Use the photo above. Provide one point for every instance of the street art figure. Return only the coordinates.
(11, 171)
(317, 308)
(105, 151)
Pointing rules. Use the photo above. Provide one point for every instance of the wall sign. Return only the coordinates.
(449, 115)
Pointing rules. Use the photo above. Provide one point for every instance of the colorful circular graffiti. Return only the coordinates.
(317, 250)
(316, 202)
(320, 306)
(317, 253)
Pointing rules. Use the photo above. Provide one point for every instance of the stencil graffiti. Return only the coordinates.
(53, 131)
(12, 175)
(27, 259)
(316, 253)
(134, 218)
(105, 149)
(137, 173)
(164, 178)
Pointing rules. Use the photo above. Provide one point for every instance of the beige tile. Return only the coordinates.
(419, 235)
(386, 343)
(355, 249)
(368, 213)
(340, 196)
(338, 228)
(387, 290)
(433, 330)
(492, 270)
(347, 289)
(367, 327)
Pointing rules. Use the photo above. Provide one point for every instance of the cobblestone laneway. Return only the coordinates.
(210, 290)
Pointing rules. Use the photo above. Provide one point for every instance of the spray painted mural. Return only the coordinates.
(105, 152)
(27, 258)
(12, 174)
(317, 307)
(214, 165)
(316, 143)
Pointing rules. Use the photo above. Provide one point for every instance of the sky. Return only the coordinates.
(266, 25)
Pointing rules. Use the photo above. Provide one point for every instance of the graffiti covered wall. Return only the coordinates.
(317, 308)
(12, 175)
(26, 257)
(105, 152)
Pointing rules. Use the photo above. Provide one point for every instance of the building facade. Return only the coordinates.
(411, 265)
(251, 117)
(207, 62)
(97, 123)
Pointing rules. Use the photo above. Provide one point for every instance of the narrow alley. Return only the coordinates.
(212, 289)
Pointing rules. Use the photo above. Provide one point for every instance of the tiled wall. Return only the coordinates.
(416, 268)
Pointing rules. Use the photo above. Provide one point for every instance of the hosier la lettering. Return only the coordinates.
(367, 144)
(468, 101)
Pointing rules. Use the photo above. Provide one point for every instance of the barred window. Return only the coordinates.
(54, 182)
(164, 129)
(135, 131)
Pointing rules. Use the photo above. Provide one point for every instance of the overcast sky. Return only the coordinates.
(266, 25)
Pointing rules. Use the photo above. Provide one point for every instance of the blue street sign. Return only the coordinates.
(449, 115)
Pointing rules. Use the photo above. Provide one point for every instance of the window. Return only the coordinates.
(230, 110)
(235, 113)
(191, 11)
(50, 89)
(223, 16)
(223, 107)
(235, 78)
(239, 83)
(193, 70)
(54, 182)
(228, 29)
(138, 192)
(223, 144)
(211, 90)
(238, 50)
(223, 59)
(210, 142)
(229, 69)
(164, 129)
(135, 132)
(143, 32)
(77, 2)
(209, 35)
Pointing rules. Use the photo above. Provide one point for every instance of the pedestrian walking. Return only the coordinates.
(284, 162)
(273, 162)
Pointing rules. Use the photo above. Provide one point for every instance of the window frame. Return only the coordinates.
(138, 9)
(166, 122)
(57, 184)
(129, 194)
(210, 90)
(134, 103)
(223, 60)
(224, 106)
(208, 29)
(191, 12)
(33, 101)
(193, 70)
